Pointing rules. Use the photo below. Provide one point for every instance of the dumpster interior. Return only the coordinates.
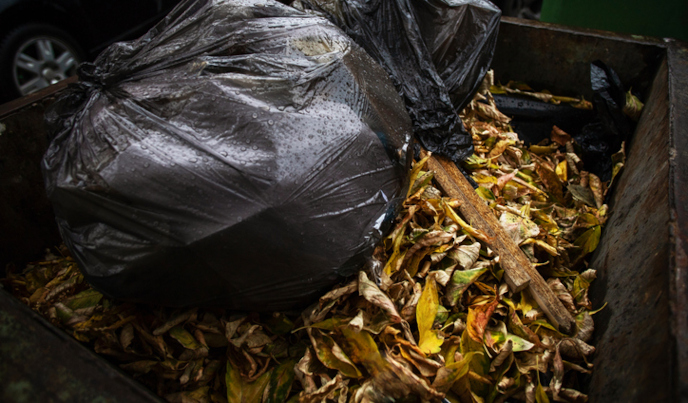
(641, 335)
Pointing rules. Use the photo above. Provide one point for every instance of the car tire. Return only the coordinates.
(34, 56)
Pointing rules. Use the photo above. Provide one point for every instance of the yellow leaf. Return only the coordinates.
(485, 193)
(544, 245)
(482, 178)
(430, 340)
(540, 394)
(542, 150)
(397, 256)
(463, 224)
(416, 170)
(362, 349)
(562, 171)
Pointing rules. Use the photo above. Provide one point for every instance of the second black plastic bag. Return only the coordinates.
(436, 52)
(242, 153)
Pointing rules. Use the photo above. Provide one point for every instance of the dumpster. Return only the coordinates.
(641, 335)
(659, 18)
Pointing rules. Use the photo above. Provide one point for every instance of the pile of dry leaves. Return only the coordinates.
(439, 322)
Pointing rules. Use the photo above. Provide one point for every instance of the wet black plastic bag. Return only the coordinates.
(242, 153)
(436, 52)
(600, 139)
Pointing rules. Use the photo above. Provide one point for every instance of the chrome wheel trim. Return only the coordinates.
(42, 61)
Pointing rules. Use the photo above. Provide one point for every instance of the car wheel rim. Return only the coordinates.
(41, 62)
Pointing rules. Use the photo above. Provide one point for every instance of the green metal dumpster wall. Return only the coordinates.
(660, 18)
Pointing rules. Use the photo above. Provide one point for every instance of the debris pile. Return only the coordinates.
(432, 316)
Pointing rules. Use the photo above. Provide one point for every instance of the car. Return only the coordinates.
(529, 9)
(43, 41)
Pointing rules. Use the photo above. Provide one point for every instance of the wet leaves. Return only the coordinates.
(241, 391)
(633, 107)
(460, 281)
(332, 355)
(440, 322)
(589, 240)
(430, 339)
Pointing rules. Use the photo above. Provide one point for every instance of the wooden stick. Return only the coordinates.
(519, 272)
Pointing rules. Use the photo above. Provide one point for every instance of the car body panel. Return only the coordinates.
(94, 24)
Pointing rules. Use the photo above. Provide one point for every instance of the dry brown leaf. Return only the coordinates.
(372, 294)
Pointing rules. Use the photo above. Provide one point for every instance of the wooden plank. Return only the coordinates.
(17, 105)
(519, 272)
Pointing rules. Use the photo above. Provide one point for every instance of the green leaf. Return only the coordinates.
(185, 338)
(84, 299)
(446, 376)
(239, 391)
(589, 240)
(280, 383)
(416, 172)
(480, 364)
(633, 107)
(494, 337)
(537, 324)
(485, 193)
(397, 254)
(588, 220)
(430, 341)
(422, 182)
(519, 344)
(475, 162)
(459, 283)
(332, 355)
(63, 313)
(540, 395)
(579, 286)
(279, 324)
(442, 314)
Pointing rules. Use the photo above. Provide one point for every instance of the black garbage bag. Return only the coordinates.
(533, 119)
(436, 51)
(241, 154)
(603, 137)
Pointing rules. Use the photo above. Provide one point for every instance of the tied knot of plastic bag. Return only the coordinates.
(92, 76)
(92, 79)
